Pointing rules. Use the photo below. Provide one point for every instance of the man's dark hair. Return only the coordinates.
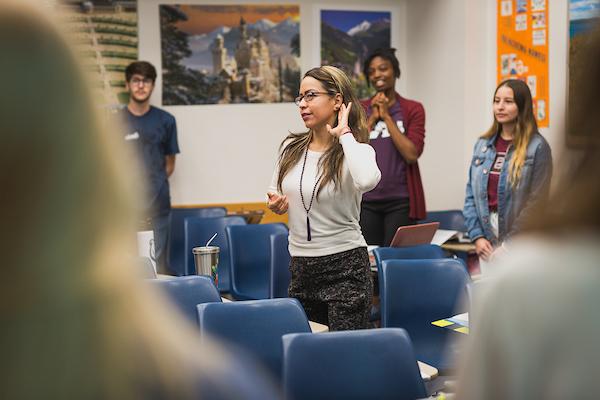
(143, 68)
(386, 54)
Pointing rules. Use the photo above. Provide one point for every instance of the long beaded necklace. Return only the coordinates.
(312, 197)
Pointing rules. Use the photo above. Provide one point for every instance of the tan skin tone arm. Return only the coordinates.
(484, 248)
(380, 105)
(170, 164)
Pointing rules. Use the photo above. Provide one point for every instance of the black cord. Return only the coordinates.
(312, 197)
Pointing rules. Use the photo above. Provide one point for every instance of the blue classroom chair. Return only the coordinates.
(175, 252)
(280, 266)
(452, 220)
(422, 251)
(187, 292)
(361, 364)
(250, 259)
(419, 252)
(255, 326)
(415, 293)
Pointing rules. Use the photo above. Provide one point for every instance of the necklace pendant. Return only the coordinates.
(308, 235)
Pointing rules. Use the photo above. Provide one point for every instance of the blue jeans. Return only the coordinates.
(160, 225)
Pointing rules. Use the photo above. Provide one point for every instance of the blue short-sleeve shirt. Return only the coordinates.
(154, 136)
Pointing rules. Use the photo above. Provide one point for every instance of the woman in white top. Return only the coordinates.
(320, 177)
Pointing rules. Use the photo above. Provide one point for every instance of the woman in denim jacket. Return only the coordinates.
(510, 170)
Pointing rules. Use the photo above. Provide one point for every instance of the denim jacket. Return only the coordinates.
(513, 203)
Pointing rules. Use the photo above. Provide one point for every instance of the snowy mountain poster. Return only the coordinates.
(223, 54)
(348, 37)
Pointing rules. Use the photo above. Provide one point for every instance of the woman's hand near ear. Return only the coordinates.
(342, 126)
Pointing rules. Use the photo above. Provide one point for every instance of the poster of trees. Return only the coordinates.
(222, 54)
(348, 37)
(106, 36)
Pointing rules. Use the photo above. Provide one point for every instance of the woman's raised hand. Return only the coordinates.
(277, 203)
(342, 126)
(381, 102)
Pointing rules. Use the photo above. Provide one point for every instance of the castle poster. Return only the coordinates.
(222, 54)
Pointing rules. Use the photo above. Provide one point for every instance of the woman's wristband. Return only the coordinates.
(348, 130)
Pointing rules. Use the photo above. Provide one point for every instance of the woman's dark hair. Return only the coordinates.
(143, 68)
(389, 54)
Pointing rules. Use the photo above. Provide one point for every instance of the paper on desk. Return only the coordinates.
(372, 262)
(371, 247)
(441, 236)
(460, 319)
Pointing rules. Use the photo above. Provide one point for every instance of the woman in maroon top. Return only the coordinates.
(510, 172)
(397, 133)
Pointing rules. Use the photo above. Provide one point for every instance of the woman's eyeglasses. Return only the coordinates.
(308, 97)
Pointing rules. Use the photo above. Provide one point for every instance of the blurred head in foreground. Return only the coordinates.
(76, 323)
(536, 326)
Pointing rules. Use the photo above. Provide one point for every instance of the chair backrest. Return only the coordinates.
(250, 259)
(255, 326)
(417, 292)
(146, 267)
(280, 266)
(449, 219)
(197, 231)
(175, 253)
(186, 292)
(361, 364)
(419, 252)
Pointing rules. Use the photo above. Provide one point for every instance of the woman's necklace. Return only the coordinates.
(312, 196)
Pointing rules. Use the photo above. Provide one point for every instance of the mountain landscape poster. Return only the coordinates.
(349, 36)
(223, 54)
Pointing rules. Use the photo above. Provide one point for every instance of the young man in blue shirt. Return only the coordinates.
(153, 133)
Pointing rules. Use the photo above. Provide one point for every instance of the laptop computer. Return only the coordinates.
(412, 235)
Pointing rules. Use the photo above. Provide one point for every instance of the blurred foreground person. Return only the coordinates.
(535, 335)
(76, 323)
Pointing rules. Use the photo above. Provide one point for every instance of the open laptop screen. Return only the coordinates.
(412, 235)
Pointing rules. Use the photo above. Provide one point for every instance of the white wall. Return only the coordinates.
(447, 56)
(559, 55)
(440, 61)
(451, 68)
(228, 151)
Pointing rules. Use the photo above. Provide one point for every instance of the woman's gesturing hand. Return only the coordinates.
(342, 126)
(484, 248)
(277, 203)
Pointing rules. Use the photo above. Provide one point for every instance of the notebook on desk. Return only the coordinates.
(413, 235)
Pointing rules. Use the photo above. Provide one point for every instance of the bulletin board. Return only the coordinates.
(522, 50)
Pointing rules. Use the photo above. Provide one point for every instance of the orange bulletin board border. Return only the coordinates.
(522, 50)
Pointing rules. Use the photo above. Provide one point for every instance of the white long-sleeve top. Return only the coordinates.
(334, 216)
